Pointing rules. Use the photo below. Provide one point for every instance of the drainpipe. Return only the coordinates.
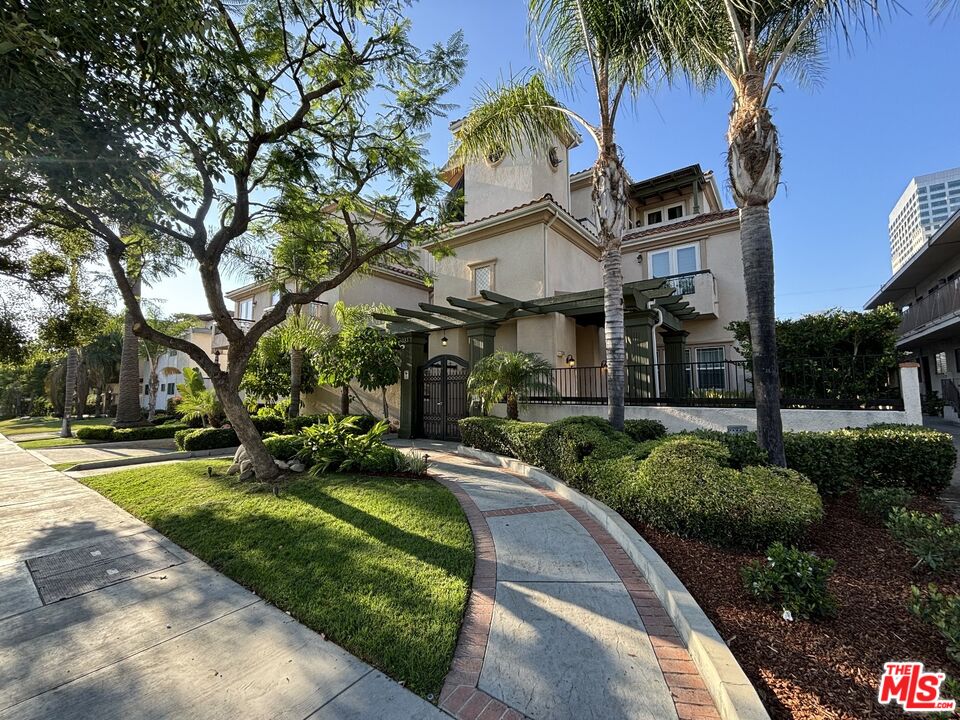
(653, 347)
(546, 229)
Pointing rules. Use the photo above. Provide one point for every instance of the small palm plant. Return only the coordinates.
(197, 400)
(506, 375)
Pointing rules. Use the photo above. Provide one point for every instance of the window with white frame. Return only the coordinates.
(245, 310)
(171, 388)
(675, 213)
(711, 373)
(675, 261)
(482, 277)
(274, 297)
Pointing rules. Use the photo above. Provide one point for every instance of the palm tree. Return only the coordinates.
(613, 42)
(507, 375)
(298, 335)
(197, 401)
(752, 43)
(128, 385)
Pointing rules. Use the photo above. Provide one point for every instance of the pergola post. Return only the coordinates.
(638, 331)
(674, 347)
(480, 342)
(412, 358)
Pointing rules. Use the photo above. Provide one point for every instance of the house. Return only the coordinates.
(926, 289)
(171, 365)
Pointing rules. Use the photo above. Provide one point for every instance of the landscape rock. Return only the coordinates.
(245, 465)
(240, 454)
(233, 469)
(297, 467)
(281, 464)
(247, 474)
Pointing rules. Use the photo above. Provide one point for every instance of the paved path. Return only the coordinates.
(561, 624)
(95, 453)
(172, 638)
(951, 496)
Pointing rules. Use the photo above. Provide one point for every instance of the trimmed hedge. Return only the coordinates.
(687, 487)
(108, 433)
(909, 456)
(207, 439)
(284, 447)
(565, 444)
(643, 430)
(513, 438)
(268, 424)
(292, 426)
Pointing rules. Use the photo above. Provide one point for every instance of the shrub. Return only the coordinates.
(936, 544)
(793, 579)
(338, 445)
(361, 423)
(641, 430)
(877, 503)
(908, 456)
(284, 447)
(565, 444)
(687, 488)
(828, 459)
(268, 424)
(942, 612)
(743, 447)
(104, 433)
(512, 438)
(208, 439)
(417, 463)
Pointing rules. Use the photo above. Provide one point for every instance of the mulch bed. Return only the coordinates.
(828, 669)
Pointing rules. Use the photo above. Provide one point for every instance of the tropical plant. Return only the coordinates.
(611, 40)
(301, 336)
(507, 375)
(752, 43)
(794, 579)
(197, 401)
(154, 352)
(217, 125)
(339, 445)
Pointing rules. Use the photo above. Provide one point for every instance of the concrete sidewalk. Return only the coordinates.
(561, 624)
(102, 617)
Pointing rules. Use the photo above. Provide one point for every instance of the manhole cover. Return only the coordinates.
(74, 572)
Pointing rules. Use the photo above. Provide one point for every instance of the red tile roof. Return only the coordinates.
(548, 198)
(670, 227)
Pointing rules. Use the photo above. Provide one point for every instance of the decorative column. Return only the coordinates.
(675, 376)
(412, 358)
(910, 390)
(638, 331)
(480, 342)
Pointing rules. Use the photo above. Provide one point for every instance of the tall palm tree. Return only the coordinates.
(507, 375)
(128, 386)
(611, 40)
(752, 43)
(299, 334)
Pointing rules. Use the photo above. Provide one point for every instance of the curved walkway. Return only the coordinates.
(561, 623)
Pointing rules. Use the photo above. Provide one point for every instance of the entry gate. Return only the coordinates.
(443, 396)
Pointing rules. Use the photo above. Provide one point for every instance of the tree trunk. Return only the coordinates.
(345, 400)
(610, 198)
(83, 388)
(152, 401)
(106, 399)
(264, 467)
(754, 165)
(296, 377)
(128, 387)
(513, 410)
(70, 389)
(386, 405)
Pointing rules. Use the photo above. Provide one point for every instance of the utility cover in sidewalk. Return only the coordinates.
(70, 573)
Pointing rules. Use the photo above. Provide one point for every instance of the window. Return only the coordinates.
(675, 261)
(941, 362)
(710, 368)
(274, 297)
(482, 277)
(171, 388)
(495, 156)
(675, 213)
(654, 217)
(245, 310)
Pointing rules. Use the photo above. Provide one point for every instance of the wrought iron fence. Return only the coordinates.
(851, 383)
(943, 301)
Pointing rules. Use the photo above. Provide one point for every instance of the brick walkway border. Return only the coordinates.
(460, 695)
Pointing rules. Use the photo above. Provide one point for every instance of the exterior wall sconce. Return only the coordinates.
(570, 361)
(216, 357)
(443, 341)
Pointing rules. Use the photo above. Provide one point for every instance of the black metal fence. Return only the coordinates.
(864, 382)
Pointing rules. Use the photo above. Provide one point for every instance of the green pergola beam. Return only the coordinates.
(418, 315)
(405, 324)
(468, 317)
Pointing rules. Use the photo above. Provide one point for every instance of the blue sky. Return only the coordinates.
(886, 110)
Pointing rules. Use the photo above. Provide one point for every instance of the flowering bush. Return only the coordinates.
(793, 579)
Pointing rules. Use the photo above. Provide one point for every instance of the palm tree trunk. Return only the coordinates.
(610, 197)
(754, 165)
(128, 387)
(296, 379)
(513, 410)
(152, 401)
(345, 400)
(70, 389)
(386, 405)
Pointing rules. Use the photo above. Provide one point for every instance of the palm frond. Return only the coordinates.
(510, 116)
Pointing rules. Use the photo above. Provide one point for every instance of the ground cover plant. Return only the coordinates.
(381, 566)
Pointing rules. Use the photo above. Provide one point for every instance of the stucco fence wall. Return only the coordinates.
(677, 419)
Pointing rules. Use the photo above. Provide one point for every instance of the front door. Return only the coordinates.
(443, 396)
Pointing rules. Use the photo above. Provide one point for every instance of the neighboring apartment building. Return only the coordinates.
(170, 368)
(926, 288)
(923, 207)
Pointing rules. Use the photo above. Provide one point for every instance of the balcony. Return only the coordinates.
(938, 309)
(699, 289)
(220, 341)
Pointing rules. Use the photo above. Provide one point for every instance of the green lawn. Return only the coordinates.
(53, 442)
(10, 428)
(381, 566)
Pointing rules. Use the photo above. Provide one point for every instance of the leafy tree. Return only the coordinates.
(102, 360)
(753, 43)
(268, 373)
(507, 375)
(196, 122)
(610, 39)
(153, 352)
(197, 401)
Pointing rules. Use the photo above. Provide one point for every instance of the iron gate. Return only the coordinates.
(443, 396)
